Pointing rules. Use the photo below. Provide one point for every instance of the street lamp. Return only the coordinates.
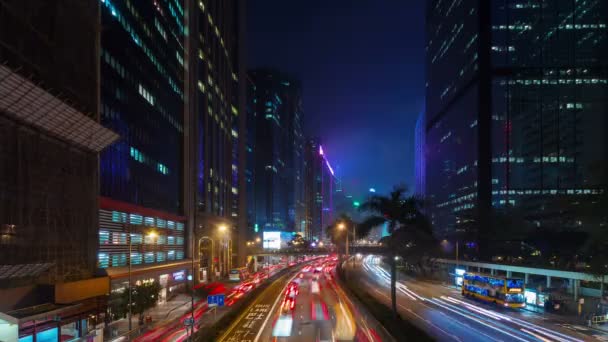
(258, 240)
(342, 226)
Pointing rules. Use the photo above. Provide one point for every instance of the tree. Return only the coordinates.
(298, 242)
(406, 224)
(143, 297)
(336, 235)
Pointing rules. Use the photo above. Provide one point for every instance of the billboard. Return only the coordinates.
(272, 240)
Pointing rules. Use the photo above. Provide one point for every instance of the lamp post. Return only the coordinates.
(342, 226)
(224, 252)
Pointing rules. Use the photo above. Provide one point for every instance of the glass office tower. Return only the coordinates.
(516, 107)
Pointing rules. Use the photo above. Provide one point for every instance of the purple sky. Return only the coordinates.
(361, 64)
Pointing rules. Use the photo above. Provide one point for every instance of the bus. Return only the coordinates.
(507, 292)
(238, 274)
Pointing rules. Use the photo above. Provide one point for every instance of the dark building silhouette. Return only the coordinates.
(516, 108)
(217, 116)
(278, 150)
(50, 139)
(320, 185)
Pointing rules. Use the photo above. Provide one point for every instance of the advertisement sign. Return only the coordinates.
(530, 297)
(272, 240)
(177, 276)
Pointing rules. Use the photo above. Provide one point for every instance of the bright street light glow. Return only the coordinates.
(222, 228)
(372, 190)
(341, 226)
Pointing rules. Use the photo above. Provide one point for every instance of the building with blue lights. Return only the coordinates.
(516, 109)
(142, 68)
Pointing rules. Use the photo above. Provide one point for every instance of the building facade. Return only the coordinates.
(516, 107)
(278, 150)
(142, 214)
(320, 187)
(217, 100)
(50, 139)
(419, 156)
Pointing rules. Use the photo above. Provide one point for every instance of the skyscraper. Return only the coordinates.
(142, 71)
(320, 184)
(516, 111)
(217, 81)
(50, 140)
(279, 150)
(419, 156)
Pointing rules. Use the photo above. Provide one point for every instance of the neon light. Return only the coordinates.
(321, 150)
(329, 167)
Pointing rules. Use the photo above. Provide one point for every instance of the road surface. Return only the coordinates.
(447, 316)
(321, 311)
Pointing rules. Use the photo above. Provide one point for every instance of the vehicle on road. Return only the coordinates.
(238, 274)
(503, 291)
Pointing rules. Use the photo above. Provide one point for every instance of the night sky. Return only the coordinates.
(361, 64)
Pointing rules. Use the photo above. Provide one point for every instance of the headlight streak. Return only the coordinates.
(480, 315)
(553, 334)
(439, 303)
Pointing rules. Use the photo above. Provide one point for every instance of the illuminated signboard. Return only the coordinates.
(272, 240)
(177, 276)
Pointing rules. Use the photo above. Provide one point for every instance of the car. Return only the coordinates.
(314, 287)
(288, 305)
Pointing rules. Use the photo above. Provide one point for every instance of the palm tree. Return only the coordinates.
(401, 213)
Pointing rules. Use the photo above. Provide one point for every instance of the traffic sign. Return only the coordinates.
(215, 300)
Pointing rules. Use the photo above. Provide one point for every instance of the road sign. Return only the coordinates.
(188, 321)
(215, 300)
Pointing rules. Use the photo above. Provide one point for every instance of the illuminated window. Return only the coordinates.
(179, 255)
(180, 226)
(170, 240)
(149, 257)
(119, 260)
(103, 260)
(160, 223)
(160, 256)
(171, 224)
(171, 255)
(146, 94)
(136, 258)
(117, 216)
(149, 221)
(135, 219)
(180, 240)
(104, 237)
(136, 238)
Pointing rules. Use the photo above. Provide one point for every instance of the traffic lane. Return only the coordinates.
(300, 324)
(519, 318)
(252, 323)
(438, 325)
(472, 311)
(442, 319)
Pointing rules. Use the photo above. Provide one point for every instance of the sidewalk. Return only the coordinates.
(160, 314)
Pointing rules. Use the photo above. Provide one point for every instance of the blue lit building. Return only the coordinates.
(142, 68)
(516, 108)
